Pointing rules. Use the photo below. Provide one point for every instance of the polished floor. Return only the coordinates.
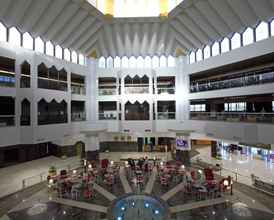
(243, 165)
(41, 206)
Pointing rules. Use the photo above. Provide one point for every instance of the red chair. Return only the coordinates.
(104, 163)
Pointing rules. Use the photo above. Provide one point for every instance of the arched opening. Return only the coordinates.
(25, 119)
(80, 148)
(25, 75)
(137, 111)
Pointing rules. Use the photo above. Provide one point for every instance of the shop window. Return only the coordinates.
(74, 57)
(236, 41)
(67, 54)
(207, 52)
(117, 62)
(132, 62)
(199, 55)
(109, 62)
(192, 57)
(262, 31)
(124, 62)
(81, 59)
(102, 62)
(225, 45)
(39, 45)
(163, 61)
(58, 52)
(3, 32)
(215, 49)
(140, 62)
(27, 41)
(49, 49)
(148, 62)
(235, 107)
(248, 36)
(198, 108)
(25, 79)
(14, 37)
(171, 61)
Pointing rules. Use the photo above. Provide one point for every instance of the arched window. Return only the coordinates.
(67, 54)
(163, 61)
(207, 52)
(171, 61)
(262, 31)
(148, 62)
(140, 62)
(236, 41)
(271, 26)
(117, 62)
(81, 59)
(216, 49)
(3, 32)
(192, 57)
(74, 57)
(27, 41)
(155, 62)
(124, 62)
(39, 45)
(102, 62)
(58, 52)
(225, 45)
(248, 36)
(132, 62)
(109, 62)
(49, 49)
(199, 55)
(14, 37)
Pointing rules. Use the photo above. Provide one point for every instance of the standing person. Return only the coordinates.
(151, 146)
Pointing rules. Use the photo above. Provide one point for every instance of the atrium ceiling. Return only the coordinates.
(77, 25)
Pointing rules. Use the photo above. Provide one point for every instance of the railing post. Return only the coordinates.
(23, 183)
(41, 177)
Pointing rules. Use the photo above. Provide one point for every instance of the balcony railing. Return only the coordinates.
(52, 119)
(7, 81)
(108, 116)
(7, 120)
(136, 89)
(107, 91)
(233, 83)
(78, 89)
(78, 116)
(166, 115)
(251, 117)
(25, 120)
(166, 90)
(45, 83)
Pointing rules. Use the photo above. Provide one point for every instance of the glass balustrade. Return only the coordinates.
(252, 117)
(7, 120)
(137, 89)
(166, 115)
(78, 89)
(108, 116)
(257, 79)
(78, 116)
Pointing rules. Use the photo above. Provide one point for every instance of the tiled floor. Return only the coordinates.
(242, 164)
(39, 207)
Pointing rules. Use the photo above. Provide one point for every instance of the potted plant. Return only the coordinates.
(52, 171)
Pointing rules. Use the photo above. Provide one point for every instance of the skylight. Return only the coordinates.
(135, 8)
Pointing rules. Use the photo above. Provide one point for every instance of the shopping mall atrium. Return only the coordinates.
(136, 109)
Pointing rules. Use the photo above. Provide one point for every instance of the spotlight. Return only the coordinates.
(119, 218)
(74, 171)
(123, 208)
(156, 212)
(89, 166)
(146, 205)
(133, 204)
